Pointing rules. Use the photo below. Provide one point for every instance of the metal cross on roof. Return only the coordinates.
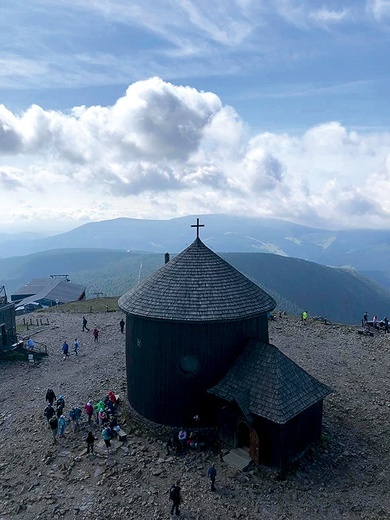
(197, 225)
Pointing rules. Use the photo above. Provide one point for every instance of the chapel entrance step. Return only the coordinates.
(238, 458)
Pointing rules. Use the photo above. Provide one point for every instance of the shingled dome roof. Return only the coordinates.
(197, 285)
(265, 382)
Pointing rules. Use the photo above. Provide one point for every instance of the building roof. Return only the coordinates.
(51, 289)
(274, 387)
(197, 285)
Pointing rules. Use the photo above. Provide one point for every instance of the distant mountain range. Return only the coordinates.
(340, 294)
(367, 251)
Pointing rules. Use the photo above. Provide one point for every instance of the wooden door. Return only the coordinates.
(254, 446)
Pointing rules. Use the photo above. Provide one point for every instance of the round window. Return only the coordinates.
(189, 365)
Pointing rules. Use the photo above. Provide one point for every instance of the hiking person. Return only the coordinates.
(107, 436)
(122, 325)
(73, 419)
(50, 396)
(182, 436)
(113, 424)
(65, 349)
(48, 412)
(102, 418)
(95, 335)
(85, 324)
(89, 411)
(76, 347)
(30, 344)
(53, 423)
(77, 412)
(90, 440)
(98, 407)
(365, 319)
(212, 474)
(304, 317)
(386, 322)
(170, 444)
(60, 405)
(175, 496)
(61, 425)
(112, 397)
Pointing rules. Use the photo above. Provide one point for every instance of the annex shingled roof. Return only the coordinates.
(276, 387)
(197, 285)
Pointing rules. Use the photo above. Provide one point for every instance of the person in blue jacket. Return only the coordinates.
(212, 474)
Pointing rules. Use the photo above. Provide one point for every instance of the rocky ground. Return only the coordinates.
(345, 476)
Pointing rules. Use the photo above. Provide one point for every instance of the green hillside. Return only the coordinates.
(340, 294)
(343, 295)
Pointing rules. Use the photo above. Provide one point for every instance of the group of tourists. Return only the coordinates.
(183, 441)
(95, 331)
(375, 323)
(65, 348)
(104, 411)
(76, 345)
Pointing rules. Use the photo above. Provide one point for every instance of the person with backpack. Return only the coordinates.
(60, 405)
(73, 419)
(90, 440)
(107, 436)
(98, 407)
(48, 412)
(53, 423)
(89, 411)
(65, 349)
(95, 334)
(77, 412)
(212, 474)
(50, 396)
(175, 496)
(61, 425)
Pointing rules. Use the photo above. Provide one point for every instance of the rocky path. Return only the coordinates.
(345, 476)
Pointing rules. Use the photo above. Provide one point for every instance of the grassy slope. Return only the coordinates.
(339, 294)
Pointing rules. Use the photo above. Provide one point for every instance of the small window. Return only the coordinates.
(189, 365)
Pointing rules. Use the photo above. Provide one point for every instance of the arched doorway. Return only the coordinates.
(243, 435)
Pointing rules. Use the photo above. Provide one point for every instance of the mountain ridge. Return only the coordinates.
(367, 251)
(342, 295)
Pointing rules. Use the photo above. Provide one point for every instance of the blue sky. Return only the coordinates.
(276, 108)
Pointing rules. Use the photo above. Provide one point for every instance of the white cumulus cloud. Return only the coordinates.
(164, 150)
